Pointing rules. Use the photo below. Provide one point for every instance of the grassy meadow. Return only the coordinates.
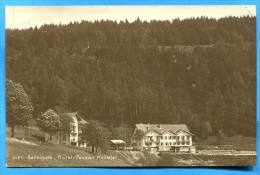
(30, 152)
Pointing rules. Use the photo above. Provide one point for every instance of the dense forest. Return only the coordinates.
(199, 71)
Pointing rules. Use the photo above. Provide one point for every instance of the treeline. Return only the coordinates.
(201, 72)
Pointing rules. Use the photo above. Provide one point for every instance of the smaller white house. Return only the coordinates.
(73, 138)
(118, 144)
(162, 137)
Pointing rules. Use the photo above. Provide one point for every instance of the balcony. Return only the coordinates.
(151, 141)
(153, 144)
(148, 143)
(73, 139)
(183, 143)
(73, 134)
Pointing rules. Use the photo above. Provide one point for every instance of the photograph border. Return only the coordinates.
(252, 170)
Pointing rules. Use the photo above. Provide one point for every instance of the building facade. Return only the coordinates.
(73, 137)
(162, 137)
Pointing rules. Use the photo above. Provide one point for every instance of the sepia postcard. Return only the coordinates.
(130, 86)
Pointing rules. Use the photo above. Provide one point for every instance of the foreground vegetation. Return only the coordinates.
(19, 150)
(24, 155)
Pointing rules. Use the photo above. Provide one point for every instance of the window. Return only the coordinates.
(182, 137)
(161, 143)
(170, 143)
(170, 137)
(188, 137)
(166, 143)
(50, 137)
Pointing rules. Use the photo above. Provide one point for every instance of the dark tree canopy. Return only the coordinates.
(201, 72)
(96, 135)
(18, 105)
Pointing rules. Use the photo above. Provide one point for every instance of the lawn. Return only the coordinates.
(21, 154)
(42, 155)
(25, 155)
(33, 133)
(38, 154)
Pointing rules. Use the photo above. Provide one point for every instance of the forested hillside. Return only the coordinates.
(201, 72)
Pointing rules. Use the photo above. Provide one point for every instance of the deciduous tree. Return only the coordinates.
(18, 105)
(96, 135)
(49, 122)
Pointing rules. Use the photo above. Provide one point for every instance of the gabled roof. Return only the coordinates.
(152, 130)
(69, 114)
(118, 142)
(81, 121)
(184, 131)
(161, 128)
(168, 131)
(73, 116)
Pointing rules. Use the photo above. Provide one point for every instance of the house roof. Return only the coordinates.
(81, 121)
(161, 128)
(118, 142)
(74, 117)
(71, 116)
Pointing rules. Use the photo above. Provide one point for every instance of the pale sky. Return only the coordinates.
(31, 16)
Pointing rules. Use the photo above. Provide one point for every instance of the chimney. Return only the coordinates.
(159, 126)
